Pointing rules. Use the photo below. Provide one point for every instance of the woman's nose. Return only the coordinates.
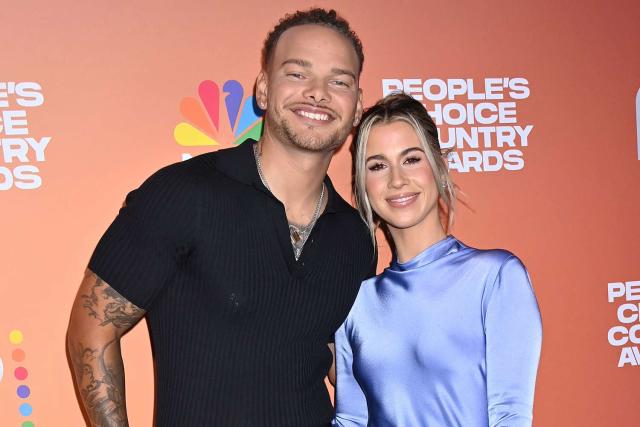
(397, 178)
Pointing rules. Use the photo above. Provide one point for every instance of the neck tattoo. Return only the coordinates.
(297, 233)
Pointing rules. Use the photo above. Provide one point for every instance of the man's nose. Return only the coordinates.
(317, 91)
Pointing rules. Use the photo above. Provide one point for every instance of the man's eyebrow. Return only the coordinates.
(307, 64)
(300, 62)
(339, 71)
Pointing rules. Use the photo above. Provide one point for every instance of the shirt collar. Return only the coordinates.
(438, 250)
(239, 164)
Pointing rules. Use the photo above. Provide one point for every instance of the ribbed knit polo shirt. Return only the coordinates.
(239, 328)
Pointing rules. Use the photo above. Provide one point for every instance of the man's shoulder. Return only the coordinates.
(348, 215)
(350, 233)
(191, 168)
(341, 205)
(203, 171)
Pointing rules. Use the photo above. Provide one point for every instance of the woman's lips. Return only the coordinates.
(402, 200)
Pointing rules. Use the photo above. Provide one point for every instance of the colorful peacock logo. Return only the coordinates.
(203, 127)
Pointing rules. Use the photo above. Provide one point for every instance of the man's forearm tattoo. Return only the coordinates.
(98, 369)
(101, 384)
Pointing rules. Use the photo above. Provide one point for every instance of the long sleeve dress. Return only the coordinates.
(450, 338)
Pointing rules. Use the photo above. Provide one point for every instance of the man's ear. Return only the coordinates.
(359, 109)
(262, 90)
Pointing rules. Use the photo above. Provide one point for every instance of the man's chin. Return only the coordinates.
(312, 139)
(316, 144)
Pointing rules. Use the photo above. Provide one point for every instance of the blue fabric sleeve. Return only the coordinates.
(351, 404)
(513, 330)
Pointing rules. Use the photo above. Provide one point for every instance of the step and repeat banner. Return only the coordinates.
(538, 101)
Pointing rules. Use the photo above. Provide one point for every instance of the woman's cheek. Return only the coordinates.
(374, 190)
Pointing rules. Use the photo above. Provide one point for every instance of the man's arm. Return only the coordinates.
(99, 317)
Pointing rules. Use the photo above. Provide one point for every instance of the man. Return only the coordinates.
(244, 261)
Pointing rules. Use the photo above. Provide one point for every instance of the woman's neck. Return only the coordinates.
(409, 242)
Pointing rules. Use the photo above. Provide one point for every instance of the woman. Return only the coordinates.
(448, 335)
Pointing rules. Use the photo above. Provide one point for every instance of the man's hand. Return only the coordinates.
(332, 371)
(99, 318)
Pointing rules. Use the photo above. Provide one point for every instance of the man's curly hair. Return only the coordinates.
(315, 16)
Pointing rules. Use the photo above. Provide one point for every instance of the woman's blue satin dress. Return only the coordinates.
(449, 338)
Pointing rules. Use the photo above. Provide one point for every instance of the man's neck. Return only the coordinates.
(294, 176)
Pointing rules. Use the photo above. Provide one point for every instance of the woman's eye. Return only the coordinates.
(373, 167)
(412, 160)
(295, 75)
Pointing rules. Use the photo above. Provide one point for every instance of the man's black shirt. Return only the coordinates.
(239, 327)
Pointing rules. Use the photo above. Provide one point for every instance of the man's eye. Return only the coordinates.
(295, 75)
(373, 167)
(341, 83)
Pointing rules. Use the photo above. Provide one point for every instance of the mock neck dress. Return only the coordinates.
(450, 338)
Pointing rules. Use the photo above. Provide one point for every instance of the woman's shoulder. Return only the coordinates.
(493, 264)
(502, 271)
(489, 257)
(367, 293)
(368, 286)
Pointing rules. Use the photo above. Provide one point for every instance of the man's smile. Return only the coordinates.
(314, 114)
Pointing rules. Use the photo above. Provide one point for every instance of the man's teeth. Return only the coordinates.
(314, 116)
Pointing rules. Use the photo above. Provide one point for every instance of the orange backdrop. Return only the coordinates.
(92, 93)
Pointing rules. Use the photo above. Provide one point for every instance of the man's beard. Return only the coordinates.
(310, 142)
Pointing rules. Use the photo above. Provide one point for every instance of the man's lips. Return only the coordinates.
(314, 114)
(402, 200)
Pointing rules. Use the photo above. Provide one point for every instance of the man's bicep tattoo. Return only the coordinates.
(108, 307)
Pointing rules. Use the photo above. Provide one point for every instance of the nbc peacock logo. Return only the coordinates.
(203, 125)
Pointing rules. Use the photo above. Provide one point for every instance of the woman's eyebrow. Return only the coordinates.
(410, 149)
(376, 157)
(402, 153)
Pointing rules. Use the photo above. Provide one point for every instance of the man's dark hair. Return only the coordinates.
(315, 16)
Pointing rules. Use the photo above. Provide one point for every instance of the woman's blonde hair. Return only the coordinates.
(393, 108)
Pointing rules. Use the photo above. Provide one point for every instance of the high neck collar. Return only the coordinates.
(434, 252)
